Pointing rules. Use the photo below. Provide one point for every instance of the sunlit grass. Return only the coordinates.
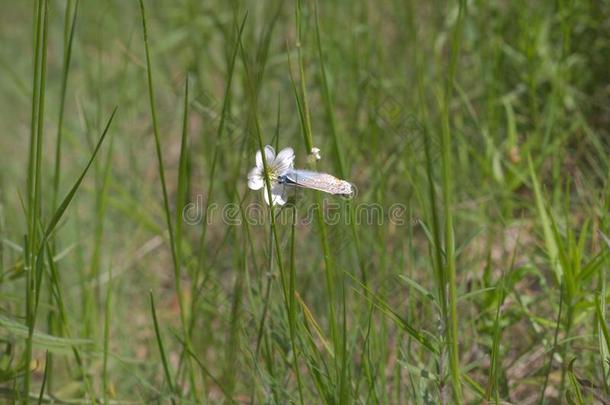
(471, 265)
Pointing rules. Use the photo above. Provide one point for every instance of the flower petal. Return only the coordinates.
(255, 179)
(279, 194)
(269, 155)
(284, 161)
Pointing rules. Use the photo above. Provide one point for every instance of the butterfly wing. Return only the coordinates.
(319, 181)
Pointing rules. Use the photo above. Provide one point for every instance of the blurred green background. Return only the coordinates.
(486, 122)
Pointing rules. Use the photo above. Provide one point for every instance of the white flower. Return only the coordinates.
(315, 153)
(276, 166)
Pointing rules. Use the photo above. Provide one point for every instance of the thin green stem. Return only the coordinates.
(554, 347)
(164, 362)
(452, 327)
(34, 171)
(292, 306)
(62, 99)
(172, 239)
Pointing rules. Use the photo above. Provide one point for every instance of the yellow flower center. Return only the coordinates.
(272, 174)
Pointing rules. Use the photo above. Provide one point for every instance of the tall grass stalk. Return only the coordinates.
(30, 239)
(553, 347)
(224, 113)
(482, 122)
(288, 299)
(40, 252)
(106, 342)
(341, 166)
(166, 367)
(33, 171)
(69, 29)
(166, 208)
(447, 187)
(339, 343)
(44, 378)
(40, 26)
(291, 301)
(57, 291)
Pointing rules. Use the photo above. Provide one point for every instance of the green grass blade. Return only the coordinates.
(62, 99)
(164, 362)
(166, 207)
(106, 343)
(182, 170)
(603, 341)
(33, 172)
(224, 113)
(552, 249)
(39, 261)
(553, 348)
(575, 395)
(44, 378)
(63, 206)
